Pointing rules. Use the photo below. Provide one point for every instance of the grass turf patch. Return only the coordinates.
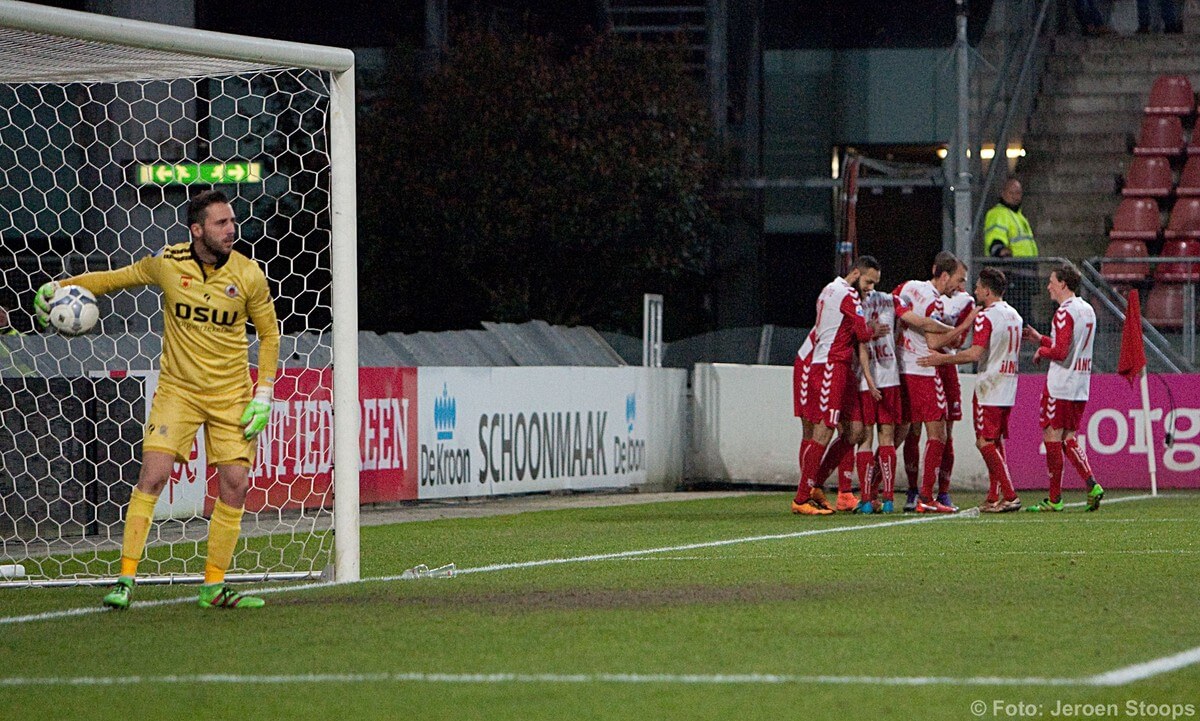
(1021, 595)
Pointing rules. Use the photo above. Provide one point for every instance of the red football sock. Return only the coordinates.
(808, 470)
(1077, 457)
(933, 462)
(864, 461)
(887, 470)
(846, 472)
(1006, 479)
(832, 459)
(805, 446)
(995, 466)
(912, 459)
(1054, 462)
(947, 467)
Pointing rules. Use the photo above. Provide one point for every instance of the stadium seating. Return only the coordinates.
(1164, 306)
(1160, 135)
(1189, 179)
(1179, 272)
(1185, 220)
(1136, 219)
(1171, 95)
(1125, 273)
(1148, 177)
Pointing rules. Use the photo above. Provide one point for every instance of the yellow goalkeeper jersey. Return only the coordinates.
(205, 309)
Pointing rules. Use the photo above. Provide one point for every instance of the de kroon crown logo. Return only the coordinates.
(630, 410)
(445, 415)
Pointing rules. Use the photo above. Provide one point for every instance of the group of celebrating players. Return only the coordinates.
(884, 365)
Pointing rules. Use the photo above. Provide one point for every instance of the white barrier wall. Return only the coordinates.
(744, 430)
(458, 432)
(490, 431)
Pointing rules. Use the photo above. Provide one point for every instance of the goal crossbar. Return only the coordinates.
(170, 39)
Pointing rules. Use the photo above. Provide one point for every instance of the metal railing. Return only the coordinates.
(1030, 30)
(1176, 330)
(1028, 278)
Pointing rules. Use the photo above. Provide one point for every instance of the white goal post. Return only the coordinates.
(107, 125)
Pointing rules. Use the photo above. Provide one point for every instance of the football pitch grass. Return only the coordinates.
(722, 608)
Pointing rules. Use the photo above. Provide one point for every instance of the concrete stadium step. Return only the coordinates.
(1071, 82)
(1058, 226)
(1067, 210)
(1173, 63)
(1116, 45)
(1059, 182)
(1077, 142)
(1068, 207)
(1085, 123)
(1131, 104)
(1075, 163)
(1071, 245)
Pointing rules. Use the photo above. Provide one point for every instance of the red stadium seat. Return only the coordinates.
(1164, 306)
(1179, 272)
(1125, 272)
(1161, 135)
(1148, 176)
(1136, 219)
(1171, 95)
(1189, 179)
(1185, 219)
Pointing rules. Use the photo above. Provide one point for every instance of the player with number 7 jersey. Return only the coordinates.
(1068, 383)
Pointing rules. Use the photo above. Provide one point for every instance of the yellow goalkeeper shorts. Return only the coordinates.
(176, 415)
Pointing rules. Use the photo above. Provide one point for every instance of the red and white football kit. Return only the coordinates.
(1068, 382)
(1069, 348)
(924, 396)
(882, 308)
(823, 378)
(998, 332)
(954, 309)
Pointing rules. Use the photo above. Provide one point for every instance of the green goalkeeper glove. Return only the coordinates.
(41, 302)
(257, 413)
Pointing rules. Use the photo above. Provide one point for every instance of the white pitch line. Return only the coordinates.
(1140, 671)
(1116, 677)
(87, 610)
(67, 613)
(694, 546)
(556, 678)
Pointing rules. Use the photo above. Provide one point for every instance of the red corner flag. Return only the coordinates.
(1133, 348)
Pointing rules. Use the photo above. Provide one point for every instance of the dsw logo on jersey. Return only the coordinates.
(204, 314)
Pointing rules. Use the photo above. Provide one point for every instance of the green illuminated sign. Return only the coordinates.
(208, 173)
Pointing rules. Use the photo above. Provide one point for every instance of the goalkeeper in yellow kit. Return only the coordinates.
(209, 292)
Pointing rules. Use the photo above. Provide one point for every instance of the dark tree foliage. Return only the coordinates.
(518, 181)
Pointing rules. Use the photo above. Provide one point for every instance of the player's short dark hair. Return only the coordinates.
(994, 280)
(198, 206)
(1069, 274)
(945, 262)
(865, 263)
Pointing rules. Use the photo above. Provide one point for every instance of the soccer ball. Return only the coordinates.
(73, 310)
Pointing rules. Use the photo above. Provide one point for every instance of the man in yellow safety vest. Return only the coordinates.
(1006, 234)
(1006, 231)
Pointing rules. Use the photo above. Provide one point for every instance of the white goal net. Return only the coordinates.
(106, 128)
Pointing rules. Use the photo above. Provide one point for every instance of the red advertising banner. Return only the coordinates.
(294, 465)
(388, 436)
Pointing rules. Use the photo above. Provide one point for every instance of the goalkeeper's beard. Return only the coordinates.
(216, 246)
